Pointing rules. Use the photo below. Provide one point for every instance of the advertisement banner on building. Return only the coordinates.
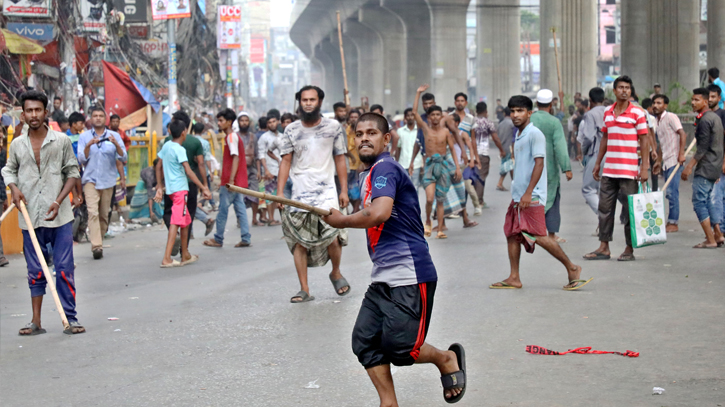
(38, 32)
(154, 48)
(168, 9)
(256, 51)
(135, 11)
(138, 31)
(229, 27)
(27, 8)
(93, 13)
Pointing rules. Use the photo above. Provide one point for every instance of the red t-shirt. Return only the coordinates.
(233, 146)
(623, 134)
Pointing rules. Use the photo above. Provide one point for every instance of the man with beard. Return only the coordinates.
(43, 183)
(340, 112)
(393, 321)
(268, 156)
(313, 150)
(249, 141)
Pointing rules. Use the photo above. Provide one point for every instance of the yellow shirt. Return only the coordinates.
(354, 164)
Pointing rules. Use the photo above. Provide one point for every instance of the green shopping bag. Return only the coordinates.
(646, 217)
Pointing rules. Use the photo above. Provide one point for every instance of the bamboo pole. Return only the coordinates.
(278, 199)
(7, 212)
(556, 56)
(342, 56)
(677, 167)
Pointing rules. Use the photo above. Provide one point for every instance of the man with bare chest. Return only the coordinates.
(437, 172)
(41, 171)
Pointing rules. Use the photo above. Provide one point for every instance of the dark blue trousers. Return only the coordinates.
(61, 241)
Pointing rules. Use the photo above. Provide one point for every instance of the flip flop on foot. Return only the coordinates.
(471, 224)
(455, 380)
(500, 188)
(597, 256)
(212, 243)
(301, 296)
(503, 285)
(626, 257)
(427, 231)
(174, 263)
(560, 239)
(192, 259)
(31, 330)
(243, 244)
(576, 284)
(274, 223)
(705, 245)
(441, 235)
(339, 284)
(75, 328)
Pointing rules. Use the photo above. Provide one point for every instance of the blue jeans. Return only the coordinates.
(704, 200)
(673, 195)
(720, 198)
(208, 183)
(227, 199)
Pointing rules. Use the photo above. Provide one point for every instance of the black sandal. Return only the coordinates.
(455, 380)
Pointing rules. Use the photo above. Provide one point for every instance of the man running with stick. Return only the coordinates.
(394, 317)
(43, 182)
(313, 150)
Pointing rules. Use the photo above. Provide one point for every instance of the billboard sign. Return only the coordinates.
(154, 48)
(229, 27)
(94, 15)
(27, 8)
(256, 51)
(136, 11)
(38, 32)
(168, 9)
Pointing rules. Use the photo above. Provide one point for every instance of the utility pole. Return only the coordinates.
(171, 35)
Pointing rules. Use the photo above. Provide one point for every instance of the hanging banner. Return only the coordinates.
(93, 13)
(38, 32)
(168, 9)
(135, 11)
(27, 8)
(256, 51)
(229, 27)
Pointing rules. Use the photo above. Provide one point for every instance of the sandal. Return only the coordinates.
(579, 284)
(212, 243)
(626, 257)
(340, 284)
(455, 380)
(174, 263)
(75, 328)
(34, 330)
(441, 235)
(303, 296)
(704, 245)
(597, 256)
(193, 259)
(274, 223)
(503, 286)
(427, 230)
(471, 224)
(243, 244)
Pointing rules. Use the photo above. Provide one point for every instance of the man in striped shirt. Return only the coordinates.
(624, 125)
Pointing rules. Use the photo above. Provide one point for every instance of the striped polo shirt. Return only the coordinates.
(623, 133)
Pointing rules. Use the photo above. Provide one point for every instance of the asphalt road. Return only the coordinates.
(223, 333)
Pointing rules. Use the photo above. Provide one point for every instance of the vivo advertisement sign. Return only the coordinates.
(40, 32)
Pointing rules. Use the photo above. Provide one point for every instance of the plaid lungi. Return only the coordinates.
(309, 231)
(455, 199)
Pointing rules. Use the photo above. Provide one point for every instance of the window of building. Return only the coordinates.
(611, 34)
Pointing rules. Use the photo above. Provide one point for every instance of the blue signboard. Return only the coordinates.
(40, 32)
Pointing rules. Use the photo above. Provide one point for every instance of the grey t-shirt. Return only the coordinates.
(709, 135)
(590, 131)
(506, 134)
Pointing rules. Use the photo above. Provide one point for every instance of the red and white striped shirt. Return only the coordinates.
(623, 133)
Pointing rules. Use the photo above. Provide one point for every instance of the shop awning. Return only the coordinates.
(17, 44)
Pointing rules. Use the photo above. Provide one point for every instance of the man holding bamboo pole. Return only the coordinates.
(313, 150)
(41, 171)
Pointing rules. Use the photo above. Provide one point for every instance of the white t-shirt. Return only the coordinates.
(268, 142)
(313, 164)
(406, 143)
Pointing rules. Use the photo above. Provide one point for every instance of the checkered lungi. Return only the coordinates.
(309, 231)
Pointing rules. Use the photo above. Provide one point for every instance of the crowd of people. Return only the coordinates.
(362, 170)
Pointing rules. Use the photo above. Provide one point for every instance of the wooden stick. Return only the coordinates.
(677, 167)
(278, 199)
(41, 260)
(7, 212)
(556, 56)
(342, 56)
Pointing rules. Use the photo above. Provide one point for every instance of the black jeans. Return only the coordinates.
(609, 190)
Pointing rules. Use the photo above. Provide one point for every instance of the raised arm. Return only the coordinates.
(421, 124)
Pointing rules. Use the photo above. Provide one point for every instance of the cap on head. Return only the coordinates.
(544, 96)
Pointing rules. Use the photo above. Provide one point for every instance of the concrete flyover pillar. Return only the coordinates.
(415, 15)
(498, 70)
(332, 49)
(660, 43)
(370, 59)
(716, 35)
(328, 80)
(576, 33)
(351, 66)
(450, 59)
(392, 31)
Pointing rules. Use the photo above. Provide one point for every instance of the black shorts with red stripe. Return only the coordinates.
(392, 324)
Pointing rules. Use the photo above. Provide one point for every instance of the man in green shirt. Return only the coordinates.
(557, 159)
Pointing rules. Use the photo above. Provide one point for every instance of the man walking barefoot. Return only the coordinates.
(393, 321)
(525, 219)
